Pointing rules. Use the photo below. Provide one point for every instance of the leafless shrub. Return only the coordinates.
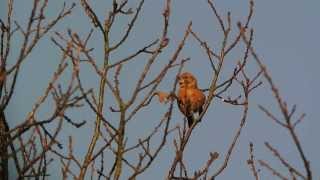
(33, 144)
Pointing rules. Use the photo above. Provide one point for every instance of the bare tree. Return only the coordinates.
(33, 145)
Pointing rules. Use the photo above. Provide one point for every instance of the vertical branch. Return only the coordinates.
(283, 108)
(104, 80)
(247, 86)
(251, 162)
(4, 172)
(105, 31)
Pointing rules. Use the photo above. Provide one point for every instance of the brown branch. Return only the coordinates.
(272, 170)
(283, 161)
(282, 106)
(251, 162)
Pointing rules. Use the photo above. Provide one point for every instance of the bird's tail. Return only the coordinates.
(190, 120)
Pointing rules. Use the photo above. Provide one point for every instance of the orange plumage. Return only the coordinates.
(190, 97)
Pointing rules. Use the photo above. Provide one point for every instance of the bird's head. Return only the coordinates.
(187, 80)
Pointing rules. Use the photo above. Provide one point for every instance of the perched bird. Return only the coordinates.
(190, 98)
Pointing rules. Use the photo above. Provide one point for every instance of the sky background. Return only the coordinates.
(286, 37)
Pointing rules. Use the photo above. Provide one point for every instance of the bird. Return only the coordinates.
(190, 98)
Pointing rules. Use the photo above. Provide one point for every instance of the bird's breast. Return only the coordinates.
(187, 94)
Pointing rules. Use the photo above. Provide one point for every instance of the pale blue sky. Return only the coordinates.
(286, 38)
